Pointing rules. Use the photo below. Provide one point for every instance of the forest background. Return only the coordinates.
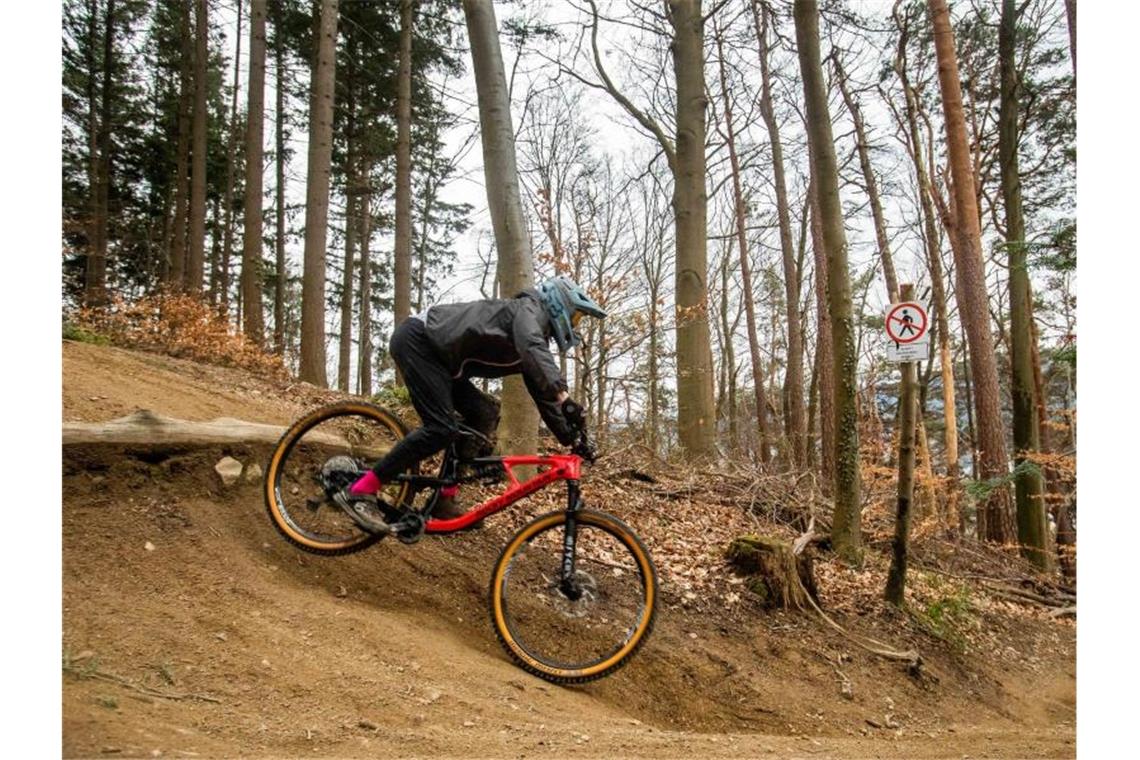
(1107, 161)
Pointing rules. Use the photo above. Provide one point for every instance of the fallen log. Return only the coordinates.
(146, 428)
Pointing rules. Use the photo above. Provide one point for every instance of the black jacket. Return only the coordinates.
(501, 337)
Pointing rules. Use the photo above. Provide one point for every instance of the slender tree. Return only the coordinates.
(196, 241)
(845, 526)
(1032, 529)
(253, 321)
(515, 265)
(995, 521)
(95, 286)
(317, 199)
(223, 294)
(795, 419)
(824, 342)
(402, 256)
(176, 256)
(281, 268)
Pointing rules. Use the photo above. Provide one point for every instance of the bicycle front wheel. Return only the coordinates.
(587, 631)
(323, 452)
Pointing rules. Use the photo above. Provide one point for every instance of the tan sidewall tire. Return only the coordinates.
(299, 428)
(527, 661)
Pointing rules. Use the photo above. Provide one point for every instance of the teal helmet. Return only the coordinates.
(564, 299)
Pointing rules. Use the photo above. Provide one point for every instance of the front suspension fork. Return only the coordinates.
(567, 584)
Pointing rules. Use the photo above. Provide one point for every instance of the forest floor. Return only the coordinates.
(191, 629)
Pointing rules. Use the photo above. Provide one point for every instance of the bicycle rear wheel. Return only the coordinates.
(322, 452)
(565, 639)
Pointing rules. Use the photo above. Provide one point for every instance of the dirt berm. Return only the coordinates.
(191, 629)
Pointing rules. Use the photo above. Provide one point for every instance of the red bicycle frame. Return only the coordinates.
(560, 467)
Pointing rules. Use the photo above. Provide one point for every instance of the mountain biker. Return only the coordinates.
(438, 352)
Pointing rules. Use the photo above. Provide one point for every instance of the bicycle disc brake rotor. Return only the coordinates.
(587, 589)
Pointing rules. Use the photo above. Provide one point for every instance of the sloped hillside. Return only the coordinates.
(191, 629)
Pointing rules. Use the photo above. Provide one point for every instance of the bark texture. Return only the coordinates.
(845, 526)
(515, 270)
(1032, 527)
(995, 521)
(313, 368)
(196, 244)
(403, 252)
(908, 395)
(253, 322)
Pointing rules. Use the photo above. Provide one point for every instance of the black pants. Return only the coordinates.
(436, 395)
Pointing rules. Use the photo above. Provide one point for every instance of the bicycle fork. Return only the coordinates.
(567, 583)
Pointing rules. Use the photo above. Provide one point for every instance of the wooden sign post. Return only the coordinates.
(908, 393)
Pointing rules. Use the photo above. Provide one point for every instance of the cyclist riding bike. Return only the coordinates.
(440, 350)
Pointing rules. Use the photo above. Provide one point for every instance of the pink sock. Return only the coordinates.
(367, 485)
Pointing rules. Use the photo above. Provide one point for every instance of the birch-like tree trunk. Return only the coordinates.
(515, 266)
(253, 322)
(196, 244)
(995, 521)
(313, 368)
(845, 526)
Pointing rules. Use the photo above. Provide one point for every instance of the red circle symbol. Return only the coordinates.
(906, 322)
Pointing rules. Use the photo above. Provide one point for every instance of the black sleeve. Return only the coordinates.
(543, 378)
(551, 412)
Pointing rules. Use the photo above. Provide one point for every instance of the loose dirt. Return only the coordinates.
(191, 629)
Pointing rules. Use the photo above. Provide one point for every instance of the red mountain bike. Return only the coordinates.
(573, 593)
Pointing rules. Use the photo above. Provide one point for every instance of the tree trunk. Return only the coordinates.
(824, 341)
(1071, 15)
(794, 417)
(403, 252)
(845, 526)
(317, 200)
(176, 267)
(252, 319)
(515, 265)
(281, 267)
(1032, 527)
(745, 271)
(196, 254)
(95, 281)
(365, 205)
(231, 162)
(896, 577)
(994, 516)
(695, 406)
(352, 185)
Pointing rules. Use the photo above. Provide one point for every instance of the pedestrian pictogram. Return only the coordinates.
(908, 332)
(906, 322)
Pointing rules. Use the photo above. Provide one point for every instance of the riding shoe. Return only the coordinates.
(364, 509)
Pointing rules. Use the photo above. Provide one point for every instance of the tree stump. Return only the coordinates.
(779, 576)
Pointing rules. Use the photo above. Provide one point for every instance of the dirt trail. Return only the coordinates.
(228, 642)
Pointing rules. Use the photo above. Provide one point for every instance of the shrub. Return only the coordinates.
(177, 325)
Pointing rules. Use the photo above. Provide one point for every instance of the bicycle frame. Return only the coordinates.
(566, 467)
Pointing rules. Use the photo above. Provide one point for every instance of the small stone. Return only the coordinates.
(156, 753)
(265, 663)
(692, 635)
(846, 691)
(148, 546)
(86, 654)
(341, 592)
(367, 725)
(252, 474)
(220, 635)
(468, 723)
(229, 470)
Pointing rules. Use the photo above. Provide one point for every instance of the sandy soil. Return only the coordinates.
(192, 630)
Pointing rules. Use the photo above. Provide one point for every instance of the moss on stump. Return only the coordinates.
(779, 577)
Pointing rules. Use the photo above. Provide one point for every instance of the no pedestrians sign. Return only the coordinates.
(908, 332)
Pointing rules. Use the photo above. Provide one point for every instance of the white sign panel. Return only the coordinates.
(908, 332)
